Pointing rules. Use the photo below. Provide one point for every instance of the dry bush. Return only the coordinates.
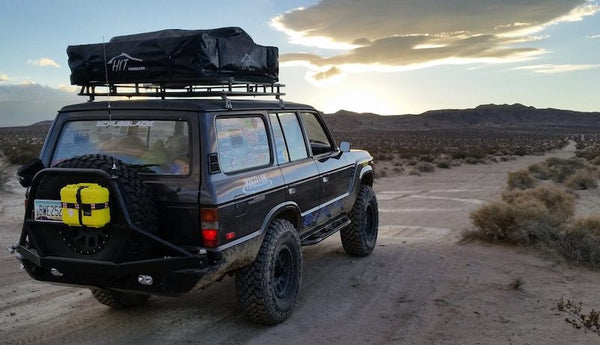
(425, 167)
(414, 172)
(560, 169)
(5, 174)
(539, 171)
(520, 179)
(581, 242)
(443, 161)
(578, 319)
(523, 217)
(582, 179)
(560, 204)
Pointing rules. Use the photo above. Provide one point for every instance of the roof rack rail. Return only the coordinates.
(223, 90)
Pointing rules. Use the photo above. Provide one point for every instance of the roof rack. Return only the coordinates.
(223, 90)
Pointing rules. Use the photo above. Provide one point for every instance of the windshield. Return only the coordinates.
(162, 147)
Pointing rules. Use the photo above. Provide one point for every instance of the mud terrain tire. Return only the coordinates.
(118, 299)
(359, 238)
(267, 289)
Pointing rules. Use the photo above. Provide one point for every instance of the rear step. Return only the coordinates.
(326, 231)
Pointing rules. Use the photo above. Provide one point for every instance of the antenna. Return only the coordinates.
(114, 166)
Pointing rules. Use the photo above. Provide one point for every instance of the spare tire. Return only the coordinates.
(101, 243)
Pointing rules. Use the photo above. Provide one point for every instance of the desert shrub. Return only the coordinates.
(413, 161)
(581, 241)
(414, 172)
(520, 179)
(425, 167)
(443, 164)
(4, 174)
(493, 221)
(578, 319)
(582, 179)
(443, 161)
(560, 204)
(472, 160)
(560, 169)
(539, 171)
(521, 222)
(398, 170)
(380, 173)
(523, 217)
(21, 153)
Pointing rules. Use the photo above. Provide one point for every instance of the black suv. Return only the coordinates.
(197, 189)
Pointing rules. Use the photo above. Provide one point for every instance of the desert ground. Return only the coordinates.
(420, 285)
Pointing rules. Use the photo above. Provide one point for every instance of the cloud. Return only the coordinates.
(3, 77)
(593, 36)
(551, 69)
(391, 35)
(43, 62)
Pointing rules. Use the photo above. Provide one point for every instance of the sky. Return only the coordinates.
(381, 56)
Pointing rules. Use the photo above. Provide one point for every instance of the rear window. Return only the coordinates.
(161, 147)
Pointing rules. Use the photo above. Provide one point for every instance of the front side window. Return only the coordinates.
(161, 147)
(319, 142)
(242, 143)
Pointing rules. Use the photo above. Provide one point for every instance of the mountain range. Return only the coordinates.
(490, 116)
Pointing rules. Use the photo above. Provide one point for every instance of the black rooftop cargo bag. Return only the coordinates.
(175, 57)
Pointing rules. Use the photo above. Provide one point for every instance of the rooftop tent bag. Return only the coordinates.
(176, 57)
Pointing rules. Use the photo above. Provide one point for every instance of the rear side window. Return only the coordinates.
(161, 147)
(242, 143)
(293, 136)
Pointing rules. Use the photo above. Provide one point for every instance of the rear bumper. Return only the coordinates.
(171, 276)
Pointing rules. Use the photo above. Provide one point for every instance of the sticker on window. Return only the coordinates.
(242, 143)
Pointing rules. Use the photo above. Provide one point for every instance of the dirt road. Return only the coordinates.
(418, 287)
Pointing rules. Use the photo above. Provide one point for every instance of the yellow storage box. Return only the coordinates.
(85, 204)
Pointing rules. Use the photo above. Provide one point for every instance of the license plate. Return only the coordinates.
(47, 210)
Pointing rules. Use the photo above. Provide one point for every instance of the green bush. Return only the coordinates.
(520, 179)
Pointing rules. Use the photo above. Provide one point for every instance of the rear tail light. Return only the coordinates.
(209, 227)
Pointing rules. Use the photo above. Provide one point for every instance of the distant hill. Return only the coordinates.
(488, 116)
(491, 116)
(38, 129)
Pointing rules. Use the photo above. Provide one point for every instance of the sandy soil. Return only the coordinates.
(419, 286)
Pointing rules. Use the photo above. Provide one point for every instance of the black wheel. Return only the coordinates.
(267, 289)
(101, 243)
(118, 299)
(359, 238)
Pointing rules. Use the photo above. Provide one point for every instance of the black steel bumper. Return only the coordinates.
(170, 276)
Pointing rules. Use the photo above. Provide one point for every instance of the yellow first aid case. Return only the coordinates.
(85, 204)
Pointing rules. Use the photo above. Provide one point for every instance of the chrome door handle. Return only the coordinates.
(291, 190)
(326, 179)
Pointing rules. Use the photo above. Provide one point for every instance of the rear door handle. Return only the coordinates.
(326, 179)
(291, 190)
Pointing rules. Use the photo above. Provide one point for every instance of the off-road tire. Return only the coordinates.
(267, 289)
(359, 238)
(118, 299)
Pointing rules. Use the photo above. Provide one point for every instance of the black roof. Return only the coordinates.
(200, 105)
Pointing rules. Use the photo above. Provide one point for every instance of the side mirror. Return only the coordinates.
(26, 173)
(345, 146)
